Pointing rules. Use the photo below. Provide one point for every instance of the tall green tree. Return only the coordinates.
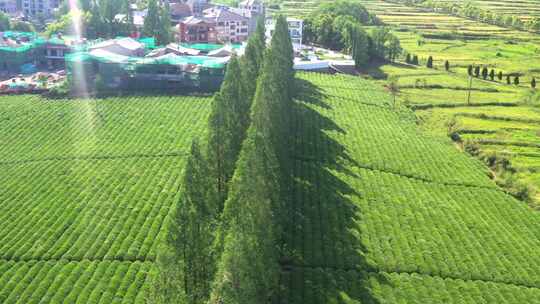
(227, 126)
(186, 263)
(164, 30)
(429, 63)
(248, 269)
(4, 22)
(151, 22)
(360, 51)
(253, 59)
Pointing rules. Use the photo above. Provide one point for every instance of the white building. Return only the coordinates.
(296, 27)
(256, 7)
(43, 7)
(121, 46)
(8, 6)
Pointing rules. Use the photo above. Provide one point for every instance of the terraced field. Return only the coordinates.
(86, 188)
(523, 8)
(370, 228)
(441, 96)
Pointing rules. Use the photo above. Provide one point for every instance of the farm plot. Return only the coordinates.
(86, 189)
(73, 282)
(383, 233)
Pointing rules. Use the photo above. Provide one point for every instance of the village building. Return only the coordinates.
(179, 11)
(255, 7)
(296, 27)
(196, 30)
(230, 27)
(121, 46)
(198, 6)
(43, 7)
(8, 6)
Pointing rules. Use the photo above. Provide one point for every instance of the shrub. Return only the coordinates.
(516, 80)
(508, 79)
(500, 76)
(415, 60)
(484, 72)
(477, 71)
(447, 65)
(408, 58)
(470, 70)
(533, 83)
(492, 75)
(429, 63)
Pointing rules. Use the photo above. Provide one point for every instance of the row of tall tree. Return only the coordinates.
(484, 72)
(113, 18)
(223, 239)
(470, 11)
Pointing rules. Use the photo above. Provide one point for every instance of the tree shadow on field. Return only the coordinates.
(324, 258)
(375, 71)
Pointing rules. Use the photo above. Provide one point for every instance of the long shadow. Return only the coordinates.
(324, 260)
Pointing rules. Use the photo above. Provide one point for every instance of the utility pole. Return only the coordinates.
(470, 88)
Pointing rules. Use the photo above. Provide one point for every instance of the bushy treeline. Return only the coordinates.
(339, 26)
(223, 240)
(470, 11)
(98, 19)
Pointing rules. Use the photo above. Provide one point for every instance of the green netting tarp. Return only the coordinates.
(19, 35)
(149, 42)
(208, 47)
(204, 61)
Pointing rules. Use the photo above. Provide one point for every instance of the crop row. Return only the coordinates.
(363, 200)
(82, 282)
(365, 218)
(339, 126)
(86, 209)
(37, 128)
(319, 285)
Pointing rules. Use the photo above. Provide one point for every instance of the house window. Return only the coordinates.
(221, 24)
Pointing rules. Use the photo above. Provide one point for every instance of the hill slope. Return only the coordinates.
(384, 214)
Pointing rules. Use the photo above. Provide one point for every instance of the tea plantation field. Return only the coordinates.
(381, 212)
(386, 214)
(86, 188)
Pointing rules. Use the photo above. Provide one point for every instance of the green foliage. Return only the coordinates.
(446, 66)
(4, 22)
(360, 51)
(415, 60)
(485, 72)
(253, 59)
(151, 22)
(227, 126)
(187, 262)
(492, 75)
(500, 75)
(429, 63)
(533, 83)
(22, 26)
(516, 80)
